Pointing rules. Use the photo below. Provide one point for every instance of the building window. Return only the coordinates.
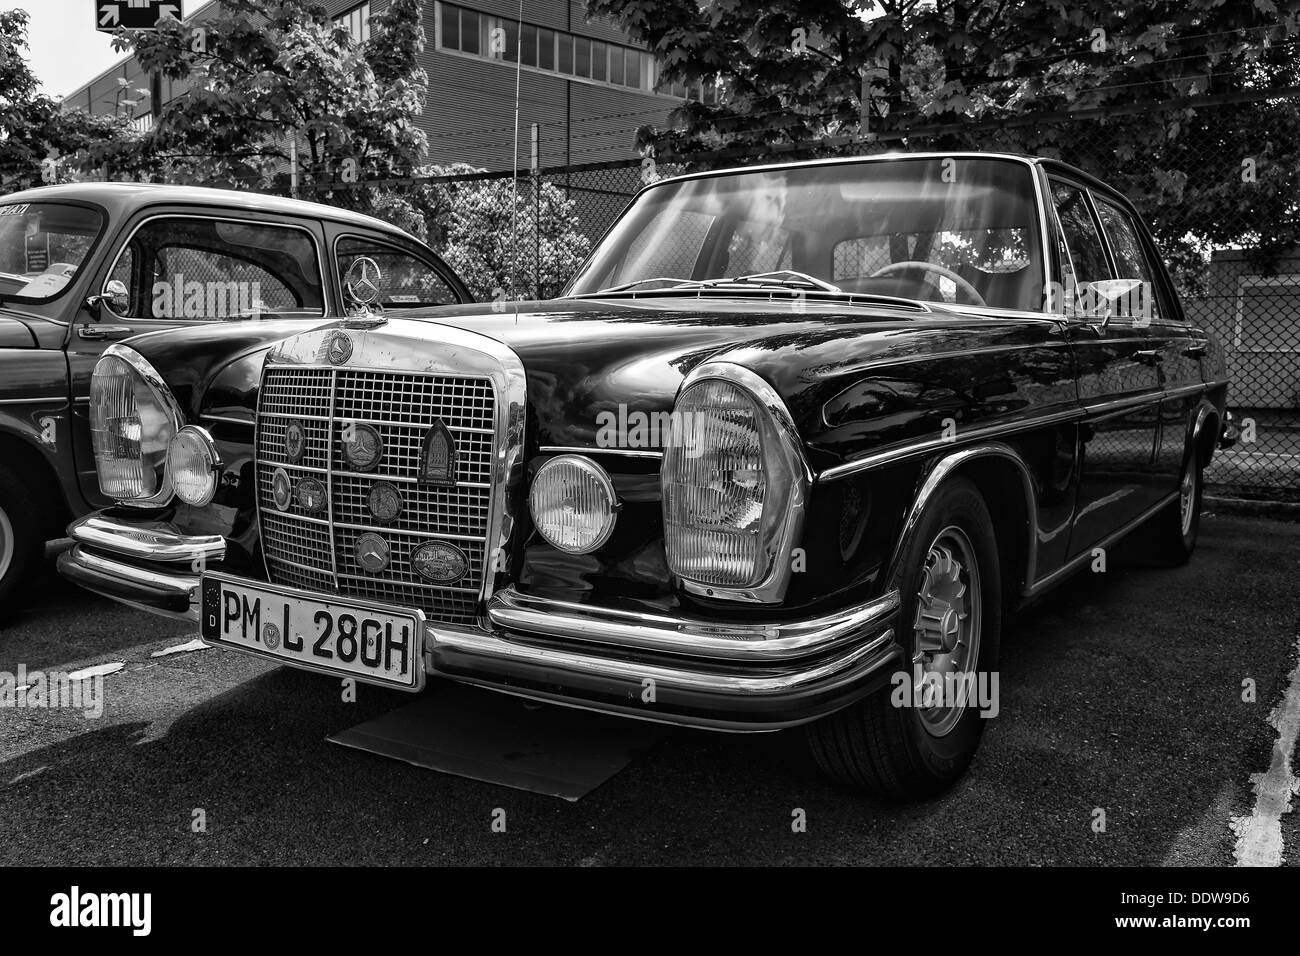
(462, 30)
(356, 21)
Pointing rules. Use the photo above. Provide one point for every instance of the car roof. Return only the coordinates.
(125, 198)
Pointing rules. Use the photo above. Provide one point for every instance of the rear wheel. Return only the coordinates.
(1173, 531)
(916, 737)
(21, 543)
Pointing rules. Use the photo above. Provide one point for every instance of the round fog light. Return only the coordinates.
(193, 465)
(573, 504)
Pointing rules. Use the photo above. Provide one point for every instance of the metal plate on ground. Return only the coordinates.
(483, 735)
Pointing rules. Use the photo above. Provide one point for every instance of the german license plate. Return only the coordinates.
(373, 643)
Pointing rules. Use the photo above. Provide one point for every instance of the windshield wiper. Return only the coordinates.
(680, 284)
(781, 277)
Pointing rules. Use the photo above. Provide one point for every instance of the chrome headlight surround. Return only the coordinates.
(193, 466)
(788, 479)
(165, 410)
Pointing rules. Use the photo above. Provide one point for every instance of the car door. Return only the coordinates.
(1178, 346)
(185, 267)
(1119, 384)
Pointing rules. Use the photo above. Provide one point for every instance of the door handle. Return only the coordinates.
(1148, 356)
(100, 332)
(1195, 351)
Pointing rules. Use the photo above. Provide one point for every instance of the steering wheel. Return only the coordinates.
(911, 265)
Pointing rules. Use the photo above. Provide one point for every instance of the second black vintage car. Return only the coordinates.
(85, 265)
(788, 452)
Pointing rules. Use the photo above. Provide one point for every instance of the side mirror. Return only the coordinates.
(115, 296)
(1107, 298)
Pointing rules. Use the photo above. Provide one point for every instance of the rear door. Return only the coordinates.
(1178, 346)
(1119, 385)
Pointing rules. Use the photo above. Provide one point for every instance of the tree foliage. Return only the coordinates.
(262, 74)
(33, 128)
(799, 72)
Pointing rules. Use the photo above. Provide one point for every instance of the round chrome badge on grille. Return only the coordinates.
(311, 495)
(384, 502)
(338, 348)
(440, 562)
(295, 441)
(281, 489)
(372, 552)
(363, 448)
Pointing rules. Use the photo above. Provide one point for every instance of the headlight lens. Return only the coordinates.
(726, 487)
(193, 465)
(573, 504)
(131, 427)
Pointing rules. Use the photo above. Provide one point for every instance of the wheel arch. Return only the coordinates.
(1007, 486)
(1205, 432)
(37, 473)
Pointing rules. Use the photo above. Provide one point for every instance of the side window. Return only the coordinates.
(1130, 261)
(403, 280)
(1082, 240)
(209, 269)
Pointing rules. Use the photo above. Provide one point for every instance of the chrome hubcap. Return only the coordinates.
(6, 543)
(1187, 498)
(947, 629)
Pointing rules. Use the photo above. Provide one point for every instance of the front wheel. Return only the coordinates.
(916, 737)
(21, 543)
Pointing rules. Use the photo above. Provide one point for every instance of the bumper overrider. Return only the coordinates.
(676, 669)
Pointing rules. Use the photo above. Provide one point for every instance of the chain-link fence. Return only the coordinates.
(1221, 213)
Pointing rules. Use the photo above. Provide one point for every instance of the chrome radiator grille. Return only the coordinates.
(317, 551)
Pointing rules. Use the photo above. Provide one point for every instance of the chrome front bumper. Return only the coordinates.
(683, 670)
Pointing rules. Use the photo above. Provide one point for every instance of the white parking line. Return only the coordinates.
(1259, 836)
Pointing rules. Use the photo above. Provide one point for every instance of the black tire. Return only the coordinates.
(1169, 538)
(22, 546)
(888, 750)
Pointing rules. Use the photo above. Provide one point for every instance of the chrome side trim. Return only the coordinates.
(760, 641)
(155, 381)
(1073, 564)
(228, 419)
(148, 540)
(945, 467)
(896, 453)
(1113, 406)
(776, 578)
(407, 345)
(576, 450)
(1182, 390)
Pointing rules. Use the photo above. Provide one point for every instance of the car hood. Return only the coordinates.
(588, 356)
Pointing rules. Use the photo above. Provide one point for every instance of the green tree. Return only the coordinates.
(798, 73)
(263, 75)
(39, 142)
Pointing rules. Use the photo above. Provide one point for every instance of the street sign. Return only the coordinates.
(133, 14)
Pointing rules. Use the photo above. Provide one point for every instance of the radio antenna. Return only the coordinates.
(514, 179)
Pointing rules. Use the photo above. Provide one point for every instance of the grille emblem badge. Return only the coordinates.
(384, 502)
(440, 562)
(372, 552)
(362, 447)
(311, 495)
(338, 348)
(295, 441)
(438, 456)
(281, 489)
(271, 636)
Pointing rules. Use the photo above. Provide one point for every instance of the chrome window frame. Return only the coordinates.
(122, 247)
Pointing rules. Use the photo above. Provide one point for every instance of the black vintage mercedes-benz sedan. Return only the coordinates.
(794, 443)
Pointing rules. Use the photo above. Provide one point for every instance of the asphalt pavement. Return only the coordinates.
(1120, 693)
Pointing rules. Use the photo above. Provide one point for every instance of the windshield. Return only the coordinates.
(959, 230)
(42, 246)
